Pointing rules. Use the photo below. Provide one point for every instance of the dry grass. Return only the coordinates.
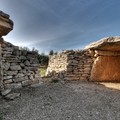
(43, 71)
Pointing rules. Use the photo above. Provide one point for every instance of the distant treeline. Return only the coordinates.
(42, 57)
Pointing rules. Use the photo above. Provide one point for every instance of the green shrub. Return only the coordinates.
(54, 81)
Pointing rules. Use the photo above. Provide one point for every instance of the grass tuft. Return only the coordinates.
(43, 71)
(54, 81)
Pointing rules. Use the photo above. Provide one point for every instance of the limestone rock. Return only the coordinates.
(106, 68)
(15, 67)
(107, 44)
(7, 77)
(6, 25)
(26, 83)
(22, 58)
(12, 96)
(6, 66)
(5, 92)
(19, 79)
(8, 81)
(106, 53)
(12, 72)
(106, 65)
(13, 86)
(27, 63)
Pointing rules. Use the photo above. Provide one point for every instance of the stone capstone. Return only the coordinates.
(106, 44)
(6, 24)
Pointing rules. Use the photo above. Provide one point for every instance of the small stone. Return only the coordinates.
(22, 58)
(8, 81)
(37, 84)
(19, 79)
(31, 77)
(5, 92)
(13, 86)
(6, 66)
(24, 71)
(12, 96)
(12, 72)
(27, 82)
(27, 63)
(7, 77)
(22, 65)
(16, 67)
(19, 75)
(34, 65)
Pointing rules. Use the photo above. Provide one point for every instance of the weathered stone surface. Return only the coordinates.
(22, 58)
(107, 44)
(20, 75)
(106, 68)
(31, 77)
(7, 77)
(6, 25)
(5, 92)
(19, 79)
(70, 65)
(106, 53)
(12, 96)
(11, 73)
(15, 67)
(6, 66)
(106, 65)
(27, 82)
(22, 65)
(13, 86)
(27, 63)
(8, 81)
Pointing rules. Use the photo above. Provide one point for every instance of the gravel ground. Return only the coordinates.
(58, 101)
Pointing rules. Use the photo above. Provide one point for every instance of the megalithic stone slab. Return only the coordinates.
(6, 24)
(106, 53)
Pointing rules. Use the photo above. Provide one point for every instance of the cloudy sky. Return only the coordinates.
(61, 24)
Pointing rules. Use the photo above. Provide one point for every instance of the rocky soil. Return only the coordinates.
(63, 101)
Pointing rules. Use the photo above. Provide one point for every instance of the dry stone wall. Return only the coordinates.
(71, 65)
(19, 68)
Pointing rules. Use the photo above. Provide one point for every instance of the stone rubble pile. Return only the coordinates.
(70, 65)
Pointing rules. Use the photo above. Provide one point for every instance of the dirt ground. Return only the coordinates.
(59, 101)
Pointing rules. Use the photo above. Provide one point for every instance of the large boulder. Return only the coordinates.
(6, 24)
(106, 53)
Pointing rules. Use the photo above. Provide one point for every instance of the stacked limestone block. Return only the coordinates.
(57, 66)
(20, 67)
(6, 25)
(71, 65)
